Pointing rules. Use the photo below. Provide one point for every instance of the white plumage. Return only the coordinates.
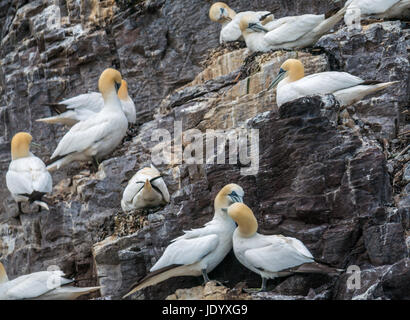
(198, 251)
(382, 8)
(145, 189)
(347, 89)
(87, 105)
(287, 32)
(43, 285)
(27, 177)
(97, 136)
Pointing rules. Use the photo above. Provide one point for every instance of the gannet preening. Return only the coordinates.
(347, 89)
(220, 12)
(382, 8)
(43, 285)
(85, 106)
(287, 32)
(27, 178)
(144, 190)
(270, 256)
(99, 135)
(198, 251)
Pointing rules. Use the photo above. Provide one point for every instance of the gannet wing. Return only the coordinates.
(36, 284)
(160, 184)
(324, 82)
(281, 254)
(368, 7)
(92, 101)
(128, 107)
(19, 182)
(41, 178)
(187, 251)
(83, 135)
(292, 29)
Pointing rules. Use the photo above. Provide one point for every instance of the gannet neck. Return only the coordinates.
(3, 274)
(106, 84)
(20, 145)
(111, 101)
(123, 91)
(244, 217)
(231, 13)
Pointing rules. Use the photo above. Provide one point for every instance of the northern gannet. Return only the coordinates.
(43, 285)
(198, 251)
(270, 256)
(382, 8)
(99, 135)
(287, 32)
(145, 189)
(84, 106)
(347, 89)
(27, 178)
(220, 12)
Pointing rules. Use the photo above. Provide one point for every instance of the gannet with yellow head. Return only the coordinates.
(84, 106)
(43, 285)
(270, 256)
(382, 8)
(99, 135)
(287, 32)
(198, 251)
(347, 89)
(145, 189)
(27, 177)
(220, 12)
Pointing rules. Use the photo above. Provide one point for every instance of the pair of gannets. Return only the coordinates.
(87, 105)
(43, 285)
(347, 89)
(270, 256)
(145, 189)
(198, 251)
(99, 135)
(381, 8)
(287, 32)
(27, 177)
(220, 12)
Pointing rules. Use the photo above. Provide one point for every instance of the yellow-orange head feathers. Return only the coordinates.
(109, 77)
(245, 219)
(20, 145)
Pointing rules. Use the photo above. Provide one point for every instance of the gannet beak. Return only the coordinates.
(117, 87)
(282, 74)
(257, 27)
(225, 15)
(235, 197)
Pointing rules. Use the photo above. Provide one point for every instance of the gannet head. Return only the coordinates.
(20, 145)
(229, 194)
(250, 23)
(220, 12)
(245, 219)
(123, 91)
(109, 82)
(292, 69)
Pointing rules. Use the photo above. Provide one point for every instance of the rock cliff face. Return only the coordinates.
(335, 178)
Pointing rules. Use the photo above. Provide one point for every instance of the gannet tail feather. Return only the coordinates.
(158, 276)
(329, 22)
(315, 267)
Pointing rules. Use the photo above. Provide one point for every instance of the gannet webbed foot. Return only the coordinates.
(256, 290)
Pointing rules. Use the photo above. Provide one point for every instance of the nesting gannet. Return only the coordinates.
(27, 178)
(198, 251)
(287, 32)
(270, 256)
(382, 8)
(85, 106)
(145, 189)
(347, 89)
(43, 285)
(99, 135)
(220, 12)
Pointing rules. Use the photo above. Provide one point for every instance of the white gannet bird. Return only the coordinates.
(144, 190)
(43, 285)
(99, 135)
(270, 256)
(220, 12)
(198, 251)
(287, 32)
(347, 89)
(27, 178)
(382, 8)
(85, 106)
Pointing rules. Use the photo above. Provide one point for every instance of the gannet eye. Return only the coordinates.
(235, 197)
